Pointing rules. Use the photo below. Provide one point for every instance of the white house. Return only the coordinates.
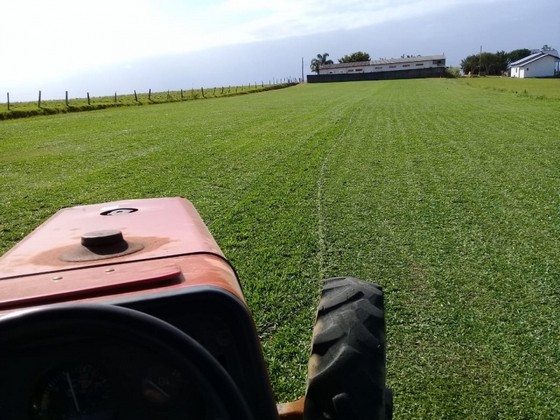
(540, 64)
(391, 64)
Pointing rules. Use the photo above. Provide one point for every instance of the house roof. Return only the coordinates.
(385, 61)
(531, 58)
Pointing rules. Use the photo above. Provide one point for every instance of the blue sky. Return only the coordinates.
(102, 44)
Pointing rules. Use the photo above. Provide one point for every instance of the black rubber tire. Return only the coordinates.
(346, 375)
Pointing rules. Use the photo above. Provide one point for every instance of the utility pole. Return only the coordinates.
(480, 62)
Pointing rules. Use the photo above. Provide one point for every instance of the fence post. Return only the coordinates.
(88, 100)
(181, 94)
(149, 94)
(202, 92)
(8, 95)
(135, 96)
(39, 100)
(66, 99)
(115, 97)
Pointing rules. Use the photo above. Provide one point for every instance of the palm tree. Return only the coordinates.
(319, 61)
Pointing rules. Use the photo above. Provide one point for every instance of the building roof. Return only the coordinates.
(385, 61)
(531, 58)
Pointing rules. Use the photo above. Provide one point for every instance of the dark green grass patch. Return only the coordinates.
(545, 88)
(445, 194)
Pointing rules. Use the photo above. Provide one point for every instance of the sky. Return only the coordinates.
(107, 46)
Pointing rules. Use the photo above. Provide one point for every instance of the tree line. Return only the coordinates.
(492, 64)
(484, 63)
(323, 59)
(496, 64)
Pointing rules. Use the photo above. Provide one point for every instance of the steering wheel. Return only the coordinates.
(136, 328)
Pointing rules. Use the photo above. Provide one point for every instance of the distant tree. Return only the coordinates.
(319, 61)
(491, 64)
(452, 72)
(516, 55)
(355, 57)
(495, 64)
(502, 60)
(470, 64)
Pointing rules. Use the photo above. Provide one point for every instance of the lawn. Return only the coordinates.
(445, 192)
(11, 110)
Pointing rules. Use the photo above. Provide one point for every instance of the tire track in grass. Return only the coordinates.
(321, 237)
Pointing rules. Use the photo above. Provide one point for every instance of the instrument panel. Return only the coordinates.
(86, 379)
(59, 362)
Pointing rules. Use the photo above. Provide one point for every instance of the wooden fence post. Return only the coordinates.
(181, 94)
(202, 92)
(149, 94)
(39, 100)
(135, 96)
(8, 95)
(115, 97)
(66, 99)
(88, 100)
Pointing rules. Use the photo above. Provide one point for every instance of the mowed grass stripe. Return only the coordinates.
(456, 214)
(445, 194)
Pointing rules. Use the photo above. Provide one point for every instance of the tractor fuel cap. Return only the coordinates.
(101, 244)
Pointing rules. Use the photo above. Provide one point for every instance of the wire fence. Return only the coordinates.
(14, 109)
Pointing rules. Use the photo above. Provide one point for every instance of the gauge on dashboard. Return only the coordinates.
(74, 391)
(167, 394)
(162, 385)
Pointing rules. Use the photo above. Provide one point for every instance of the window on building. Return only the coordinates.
(406, 65)
(359, 69)
(378, 68)
(392, 67)
(419, 64)
(351, 71)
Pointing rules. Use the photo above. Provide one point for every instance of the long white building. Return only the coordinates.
(391, 64)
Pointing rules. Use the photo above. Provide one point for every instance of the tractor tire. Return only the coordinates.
(346, 374)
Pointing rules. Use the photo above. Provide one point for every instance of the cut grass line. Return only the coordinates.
(322, 247)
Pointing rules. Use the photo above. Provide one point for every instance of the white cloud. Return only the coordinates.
(52, 38)
(48, 39)
(287, 18)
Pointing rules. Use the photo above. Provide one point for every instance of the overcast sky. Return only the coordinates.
(170, 44)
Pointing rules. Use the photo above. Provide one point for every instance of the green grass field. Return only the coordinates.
(446, 192)
(51, 107)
